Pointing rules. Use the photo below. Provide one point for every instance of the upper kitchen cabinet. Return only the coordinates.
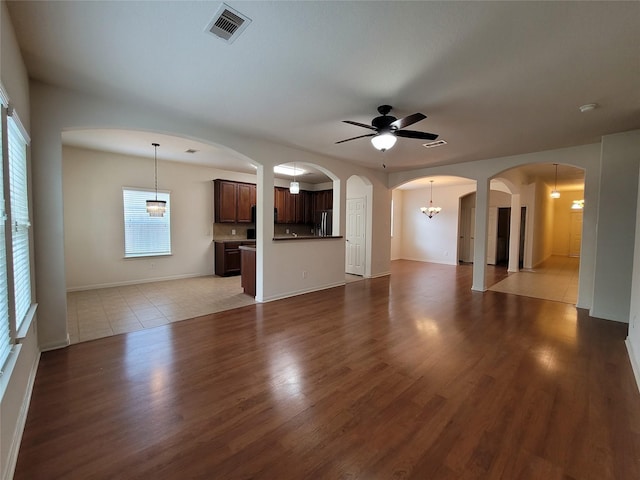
(300, 208)
(323, 200)
(233, 201)
(246, 199)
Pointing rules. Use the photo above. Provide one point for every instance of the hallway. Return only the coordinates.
(555, 279)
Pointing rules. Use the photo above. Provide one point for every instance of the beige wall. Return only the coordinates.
(18, 374)
(562, 220)
(93, 218)
(396, 234)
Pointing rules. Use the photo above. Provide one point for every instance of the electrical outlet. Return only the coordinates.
(287, 231)
(233, 231)
(305, 274)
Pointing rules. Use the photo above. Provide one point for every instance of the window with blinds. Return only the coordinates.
(5, 332)
(20, 223)
(144, 235)
(15, 226)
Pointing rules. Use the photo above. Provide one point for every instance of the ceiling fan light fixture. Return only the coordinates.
(384, 141)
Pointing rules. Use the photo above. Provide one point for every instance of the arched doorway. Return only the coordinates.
(550, 236)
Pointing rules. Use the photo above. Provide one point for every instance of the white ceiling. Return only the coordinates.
(494, 78)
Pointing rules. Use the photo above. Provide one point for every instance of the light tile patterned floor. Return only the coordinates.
(555, 279)
(103, 312)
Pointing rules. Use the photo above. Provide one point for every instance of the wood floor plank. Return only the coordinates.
(412, 376)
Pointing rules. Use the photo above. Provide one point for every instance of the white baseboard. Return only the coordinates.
(56, 345)
(378, 275)
(635, 361)
(426, 260)
(82, 288)
(12, 457)
(301, 292)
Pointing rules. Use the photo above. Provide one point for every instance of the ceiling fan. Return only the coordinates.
(388, 128)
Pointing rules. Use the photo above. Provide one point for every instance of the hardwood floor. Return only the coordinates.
(409, 376)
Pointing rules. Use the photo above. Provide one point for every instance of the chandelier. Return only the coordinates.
(156, 208)
(430, 211)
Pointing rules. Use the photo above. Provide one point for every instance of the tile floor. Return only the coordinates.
(103, 312)
(555, 279)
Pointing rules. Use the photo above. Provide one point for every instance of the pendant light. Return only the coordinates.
(555, 193)
(156, 208)
(294, 187)
(431, 210)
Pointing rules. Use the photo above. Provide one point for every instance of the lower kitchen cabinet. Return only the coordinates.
(227, 257)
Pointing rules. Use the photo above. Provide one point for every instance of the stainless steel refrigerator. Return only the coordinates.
(324, 223)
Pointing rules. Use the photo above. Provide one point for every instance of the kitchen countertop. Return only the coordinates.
(306, 237)
(233, 239)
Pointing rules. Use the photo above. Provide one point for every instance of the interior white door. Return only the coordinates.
(575, 234)
(356, 215)
(492, 236)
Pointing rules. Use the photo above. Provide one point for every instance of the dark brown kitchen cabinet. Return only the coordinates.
(227, 257)
(246, 198)
(301, 208)
(233, 201)
(323, 200)
(282, 202)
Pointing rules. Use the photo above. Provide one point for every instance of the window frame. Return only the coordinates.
(147, 194)
(19, 323)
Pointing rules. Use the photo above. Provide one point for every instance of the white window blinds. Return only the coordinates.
(20, 223)
(5, 332)
(145, 236)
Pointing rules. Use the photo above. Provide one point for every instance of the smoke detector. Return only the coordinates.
(228, 23)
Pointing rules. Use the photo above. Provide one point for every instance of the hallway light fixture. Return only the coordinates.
(294, 187)
(156, 208)
(384, 141)
(555, 193)
(431, 210)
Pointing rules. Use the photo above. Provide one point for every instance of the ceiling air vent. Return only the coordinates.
(437, 143)
(228, 23)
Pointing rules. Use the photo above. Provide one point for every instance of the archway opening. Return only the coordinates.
(548, 200)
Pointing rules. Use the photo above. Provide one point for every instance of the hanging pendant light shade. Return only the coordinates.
(555, 193)
(430, 211)
(156, 208)
(294, 187)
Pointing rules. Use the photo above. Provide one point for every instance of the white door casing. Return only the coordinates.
(575, 234)
(492, 236)
(355, 245)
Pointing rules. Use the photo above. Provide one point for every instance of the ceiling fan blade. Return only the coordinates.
(409, 120)
(354, 138)
(414, 134)
(363, 125)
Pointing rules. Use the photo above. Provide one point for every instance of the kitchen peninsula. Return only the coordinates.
(248, 269)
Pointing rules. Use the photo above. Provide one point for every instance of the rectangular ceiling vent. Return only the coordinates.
(228, 24)
(437, 143)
